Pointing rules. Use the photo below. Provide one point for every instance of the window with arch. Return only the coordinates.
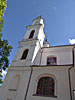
(51, 61)
(46, 86)
(31, 34)
(25, 53)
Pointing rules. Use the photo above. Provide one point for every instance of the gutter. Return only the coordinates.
(70, 76)
(28, 83)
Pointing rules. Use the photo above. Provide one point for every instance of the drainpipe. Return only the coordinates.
(69, 74)
(28, 83)
(70, 81)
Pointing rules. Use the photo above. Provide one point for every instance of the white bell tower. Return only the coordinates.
(31, 43)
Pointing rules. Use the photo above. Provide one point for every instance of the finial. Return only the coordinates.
(40, 16)
(46, 40)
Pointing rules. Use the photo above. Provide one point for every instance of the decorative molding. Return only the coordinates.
(33, 26)
(12, 89)
(20, 68)
(45, 95)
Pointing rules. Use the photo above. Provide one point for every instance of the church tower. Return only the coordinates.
(31, 43)
(15, 85)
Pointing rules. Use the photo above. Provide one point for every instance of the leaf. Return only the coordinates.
(1, 81)
(1, 75)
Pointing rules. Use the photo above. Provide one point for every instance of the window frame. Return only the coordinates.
(31, 34)
(25, 54)
(52, 61)
(48, 88)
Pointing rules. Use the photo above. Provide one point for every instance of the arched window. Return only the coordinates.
(51, 61)
(31, 34)
(45, 86)
(25, 53)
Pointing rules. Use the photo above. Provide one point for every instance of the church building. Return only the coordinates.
(40, 71)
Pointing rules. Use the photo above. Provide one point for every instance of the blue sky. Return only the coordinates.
(59, 18)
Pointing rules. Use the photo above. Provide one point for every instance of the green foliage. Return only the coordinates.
(1, 81)
(3, 6)
(1, 75)
(1, 23)
(5, 50)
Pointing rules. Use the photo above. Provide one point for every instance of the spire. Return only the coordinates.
(39, 17)
(46, 40)
(46, 44)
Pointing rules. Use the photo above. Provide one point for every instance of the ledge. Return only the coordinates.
(51, 65)
(12, 89)
(45, 95)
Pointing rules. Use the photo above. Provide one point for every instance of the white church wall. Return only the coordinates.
(15, 82)
(5, 85)
(39, 33)
(38, 58)
(74, 55)
(64, 55)
(61, 87)
(12, 89)
(74, 95)
(23, 84)
(37, 48)
(41, 36)
(72, 79)
(29, 29)
(23, 46)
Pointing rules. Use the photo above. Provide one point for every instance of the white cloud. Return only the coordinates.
(72, 41)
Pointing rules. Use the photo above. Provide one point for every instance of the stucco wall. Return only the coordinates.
(32, 46)
(64, 55)
(61, 86)
(60, 74)
(72, 79)
(9, 91)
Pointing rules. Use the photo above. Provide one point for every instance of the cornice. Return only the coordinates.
(33, 26)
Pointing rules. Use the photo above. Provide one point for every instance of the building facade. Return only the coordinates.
(40, 71)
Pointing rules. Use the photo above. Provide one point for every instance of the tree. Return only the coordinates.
(3, 6)
(5, 48)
